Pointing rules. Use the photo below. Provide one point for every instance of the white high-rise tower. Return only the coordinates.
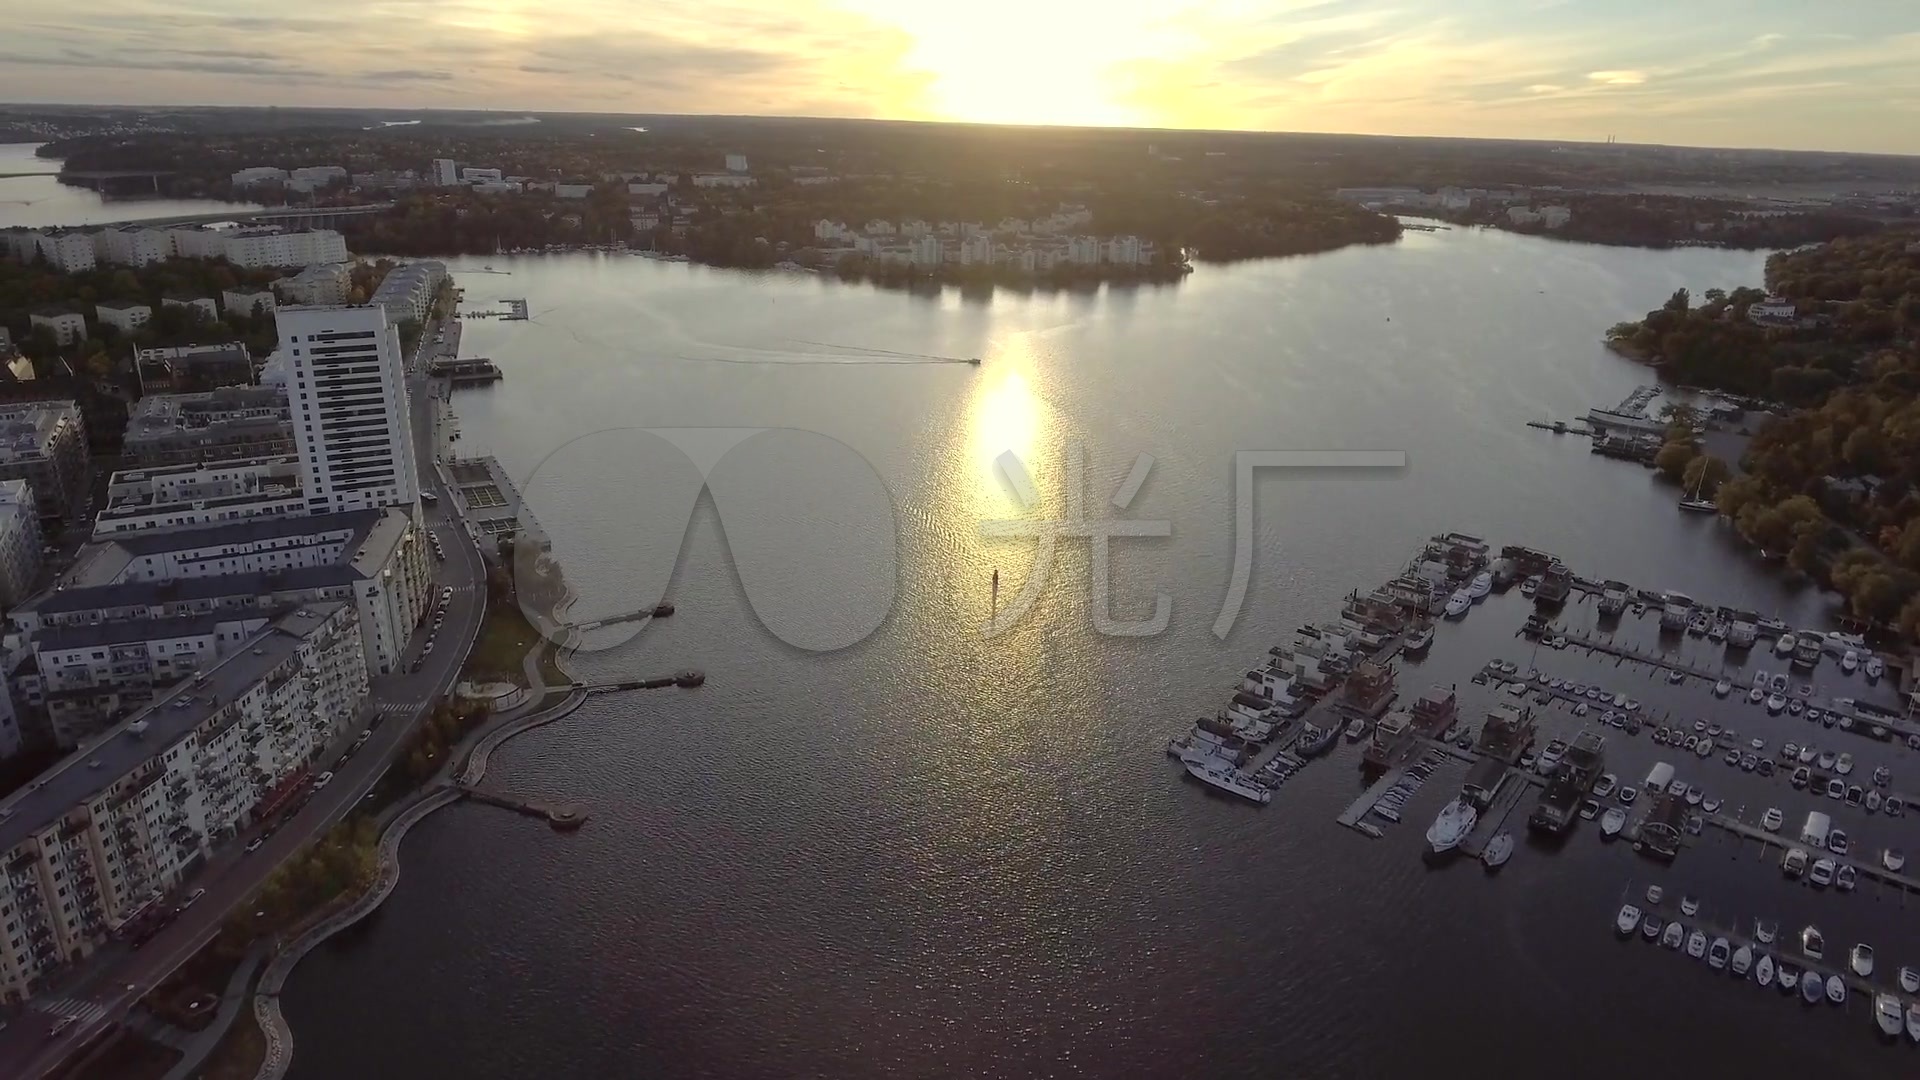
(347, 392)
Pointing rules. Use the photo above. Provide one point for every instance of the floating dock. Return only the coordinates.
(1782, 949)
(1515, 786)
(1903, 882)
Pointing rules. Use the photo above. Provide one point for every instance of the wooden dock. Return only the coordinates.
(1513, 788)
(1903, 882)
(1359, 807)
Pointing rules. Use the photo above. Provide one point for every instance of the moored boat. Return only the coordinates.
(1836, 990)
(1742, 960)
(1812, 986)
(1910, 980)
(1763, 972)
(1481, 585)
(1499, 850)
(1627, 921)
(1887, 1014)
(1454, 822)
(1860, 959)
(1229, 780)
(1612, 822)
(1457, 604)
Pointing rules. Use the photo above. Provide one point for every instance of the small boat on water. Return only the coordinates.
(1812, 943)
(1723, 688)
(1786, 978)
(1742, 960)
(1836, 990)
(1481, 585)
(1655, 894)
(1314, 741)
(1627, 921)
(1717, 954)
(1674, 936)
(1763, 971)
(1913, 1021)
(1776, 704)
(1812, 986)
(1860, 959)
(1875, 668)
(1499, 850)
(1458, 603)
(1764, 932)
(1356, 729)
(1689, 906)
(1454, 822)
(1783, 645)
(1420, 638)
(1887, 1014)
(1910, 980)
(1612, 822)
(1849, 661)
(1368, 828)
(1697, 944)
(1228, 779)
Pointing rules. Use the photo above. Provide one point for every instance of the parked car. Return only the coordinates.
(322, 780)
(254, 844)
(191, 898)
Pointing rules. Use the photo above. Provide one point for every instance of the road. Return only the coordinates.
(107, 984)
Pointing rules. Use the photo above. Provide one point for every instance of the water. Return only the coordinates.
(935, 853)
(40, 199)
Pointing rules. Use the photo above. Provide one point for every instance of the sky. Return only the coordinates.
(1792, 74)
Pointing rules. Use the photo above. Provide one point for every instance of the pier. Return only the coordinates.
(561, 815)
(1781, 950)
(472, 371)
(1358, 809)
(1904, 882)
(1515, 786)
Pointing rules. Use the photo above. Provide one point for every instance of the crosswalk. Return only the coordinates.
(398, 708)
(79, 1010)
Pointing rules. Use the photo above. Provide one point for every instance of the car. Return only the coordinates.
(429, 498)
(254, 844)
(361, 739)
(446, 592)
(1773, 819)
(322, 780)
(60, 1027)
(191, 898)
(414, 667)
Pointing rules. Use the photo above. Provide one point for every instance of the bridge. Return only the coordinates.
(309, 217)
(657, 611)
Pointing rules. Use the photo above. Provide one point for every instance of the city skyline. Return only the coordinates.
(1764, 74)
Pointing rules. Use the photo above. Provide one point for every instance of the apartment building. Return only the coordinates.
(178, 496)
(69, 251)
(376, 560)
(261, 246)
(227, 424)
(20, 541)
(348, 395)
(93, 841)
(204, 307)
(125, 315)
(132, 245)
(407, 292)
(68, 326)
(191, 368)
(320, 286)
(244, 301)
(91, 676)
(45, 443)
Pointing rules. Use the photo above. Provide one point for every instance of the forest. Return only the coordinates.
(1833, 486)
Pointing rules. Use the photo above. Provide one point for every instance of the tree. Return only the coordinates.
(1673, 459)
(1704, 475)
(1678, 302)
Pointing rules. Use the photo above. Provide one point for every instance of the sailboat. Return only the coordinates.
(1694, 502)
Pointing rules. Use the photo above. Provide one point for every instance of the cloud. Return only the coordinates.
(1618, 78)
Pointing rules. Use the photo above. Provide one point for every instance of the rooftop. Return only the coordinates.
(229, 407)
(97, 766)
(133, 594)
(119, 631)
(27, 427)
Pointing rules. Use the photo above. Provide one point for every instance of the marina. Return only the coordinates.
(1541, 734)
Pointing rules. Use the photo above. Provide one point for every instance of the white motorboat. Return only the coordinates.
(1913, 1021)
(1454, 822)
(1843, 765)
(1849, 661)
(1356, 729)
(1812, 943)
(1773, 819)
(1785, 977)
(1421, 637)
(1499, 850)
(1689, 906)
(1742, 960)
(1776, 704)
(1458, 603)
(1717, 954)
(1675, 935)
(1783, 645)
(1756, 695)
(1764, 932)
(1723, 688)
(1893, 859)
(1836, 990)
(1655, 894)
(1627, 921)
(1763, 971)
(1696, 944)
(1481, 585)
(1228, 779)
(1910, 980)
(1612, 822)
(1875, 668)
(1861, 960)
(1812, 986)
(1887, 1014)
